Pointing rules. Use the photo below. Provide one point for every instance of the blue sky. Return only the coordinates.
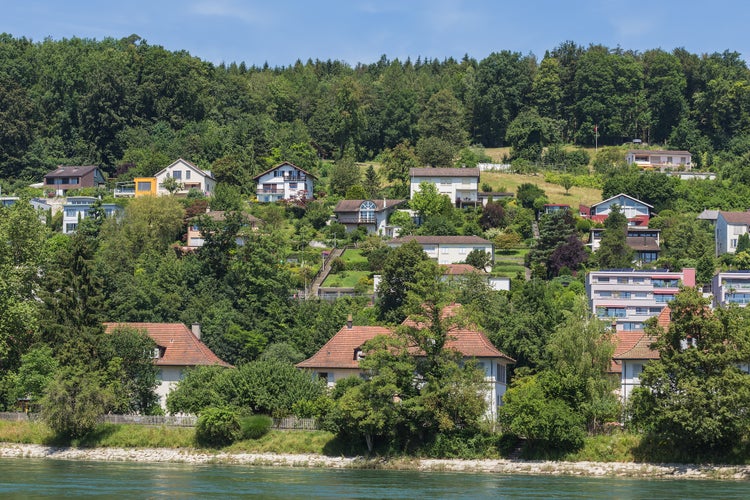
(280, 32)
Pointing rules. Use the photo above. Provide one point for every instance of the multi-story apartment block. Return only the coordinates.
(732, 287)
(629, 297)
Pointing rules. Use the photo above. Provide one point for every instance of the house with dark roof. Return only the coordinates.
(461, 185)
(448, 249)
(187, 175)
(63, 179)
(340, 356)
(637, 212)
(285, 181)
(177, 349)
(645, 242)
(370, 214)
(727, 230)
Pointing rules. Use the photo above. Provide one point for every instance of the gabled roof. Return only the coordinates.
(617, 196)
(443, 172)
(61, 171)
(708, 215)
(464, 338)
(354, 205)
(204, 173)
(180, 346)
(736, 217)
(339, 352)
(441, 240)
(641, 349)
(281, 165)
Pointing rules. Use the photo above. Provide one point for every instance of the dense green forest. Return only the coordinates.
(122, 103)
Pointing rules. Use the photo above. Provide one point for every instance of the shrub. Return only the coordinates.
(337, 265)
(217, 427)
(255, 426)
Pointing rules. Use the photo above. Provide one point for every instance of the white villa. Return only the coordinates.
(285, 181)
(461, 185)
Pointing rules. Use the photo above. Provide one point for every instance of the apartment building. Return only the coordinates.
(629, 297)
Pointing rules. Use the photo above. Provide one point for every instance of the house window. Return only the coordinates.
(641, 311)
(733, 243)
(462, 251)
(71, 212)
(277, 173)
(605, 294)
(292, 185)
(501, 375)
(367, 211)
(637, 369)
(632, 326)
(71, 226)
(144, 186)
(187, 175)
(177, 175)
(663, 298)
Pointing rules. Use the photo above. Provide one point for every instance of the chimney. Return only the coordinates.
(385, 203)
(196, 329)
(349, 322)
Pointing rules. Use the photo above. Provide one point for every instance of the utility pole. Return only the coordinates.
(596, 138)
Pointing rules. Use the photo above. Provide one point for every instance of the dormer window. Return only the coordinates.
(367, 211)
(358, 354)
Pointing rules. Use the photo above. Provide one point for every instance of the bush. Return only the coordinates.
(218, 427)
(337, 265)
(255, 426)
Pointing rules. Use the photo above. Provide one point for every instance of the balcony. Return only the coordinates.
(269, 191)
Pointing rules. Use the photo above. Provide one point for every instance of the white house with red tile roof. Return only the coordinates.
(178, 348)
(340, 356)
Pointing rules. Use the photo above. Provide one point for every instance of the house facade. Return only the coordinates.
(460, 272)
(370, 214)
(196, 238)
(63, 179)
(448, 249)
(727, 230)
(461, 185)
(637, 212)
(177, 349)
(731, 287)
(77, 208)
(285, 181)
(659, 159)
(187, 175)
(628, 297)
(340, 356)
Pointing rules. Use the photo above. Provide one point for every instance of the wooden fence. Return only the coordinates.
(288, 423)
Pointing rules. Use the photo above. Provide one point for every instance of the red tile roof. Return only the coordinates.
(736, 217)
(339, 352)
(181, 347)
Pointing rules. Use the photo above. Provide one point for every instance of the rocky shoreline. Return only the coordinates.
(499, 466)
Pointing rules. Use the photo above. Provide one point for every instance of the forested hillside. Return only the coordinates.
(124, 103)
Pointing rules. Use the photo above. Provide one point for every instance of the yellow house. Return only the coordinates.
(145, 186)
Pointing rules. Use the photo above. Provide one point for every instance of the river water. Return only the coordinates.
(32, 478)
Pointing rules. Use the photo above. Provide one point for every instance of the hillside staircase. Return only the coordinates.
(319, 278)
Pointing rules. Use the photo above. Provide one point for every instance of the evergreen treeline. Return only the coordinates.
(124, 102)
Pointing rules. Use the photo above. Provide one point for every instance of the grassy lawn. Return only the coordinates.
(345, 279)
(352, 255)
(509, 263)
(555, 193)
